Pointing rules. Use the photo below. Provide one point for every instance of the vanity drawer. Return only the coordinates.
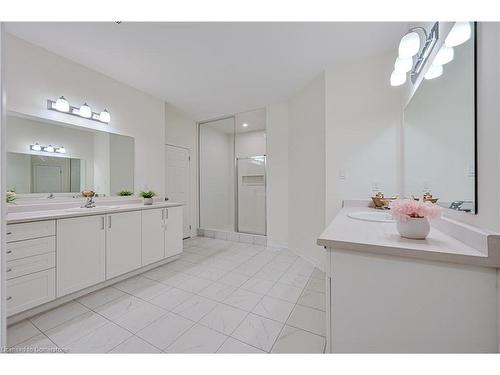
(28, 248)
(29, 291)
(26, 231)
(26, 266)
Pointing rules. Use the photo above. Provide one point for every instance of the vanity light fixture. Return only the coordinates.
(459, 33)
(410, 50)
(444, 56)
(61, 150)
(84, 111)
(49, 148)
(245, 125)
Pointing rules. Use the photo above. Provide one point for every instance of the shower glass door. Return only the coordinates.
(252, 194)
(216, 175)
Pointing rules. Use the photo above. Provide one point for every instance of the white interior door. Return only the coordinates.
(177, 181)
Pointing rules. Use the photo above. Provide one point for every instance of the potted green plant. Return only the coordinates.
(10, 197)
(124, 193)
(147, 197)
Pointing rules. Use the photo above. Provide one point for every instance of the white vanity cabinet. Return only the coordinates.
(173, 231)
(161, 234)
(123, 243)
(81, 253)
(153, 235)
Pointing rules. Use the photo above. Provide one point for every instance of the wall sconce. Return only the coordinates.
(50, 149)
(84, 111)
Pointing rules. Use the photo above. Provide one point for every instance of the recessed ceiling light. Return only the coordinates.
(245, 125)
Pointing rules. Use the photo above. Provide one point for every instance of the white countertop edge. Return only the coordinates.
(381, 238)
(31, 216)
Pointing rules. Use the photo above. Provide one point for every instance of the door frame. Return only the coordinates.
(189, 204)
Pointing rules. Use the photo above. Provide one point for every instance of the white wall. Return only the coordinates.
(362, 131)
(35, 75)
(277, 174)
(79, 144)
(306, 171)
(181, 130)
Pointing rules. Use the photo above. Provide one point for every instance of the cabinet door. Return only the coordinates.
(80, 253)
(173, 232)
(29, 291)
(123, 243)
(153, 237)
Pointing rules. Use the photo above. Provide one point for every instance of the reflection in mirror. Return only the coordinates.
(89, 159)
(439, 134)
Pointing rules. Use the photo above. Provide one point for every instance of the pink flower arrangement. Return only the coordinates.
(403, 209)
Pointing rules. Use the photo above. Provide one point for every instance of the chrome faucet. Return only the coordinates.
(51, 196)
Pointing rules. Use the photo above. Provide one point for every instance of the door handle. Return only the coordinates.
(102, 223)
(9, 251)
(9, 298)
(166, 210)
(9, 233)
(109, 222)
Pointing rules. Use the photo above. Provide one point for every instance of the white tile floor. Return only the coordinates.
(220, 296)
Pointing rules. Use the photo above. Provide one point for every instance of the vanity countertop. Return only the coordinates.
(383, 238)
(73, 211)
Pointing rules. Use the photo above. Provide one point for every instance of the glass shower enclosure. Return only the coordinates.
(232, 173)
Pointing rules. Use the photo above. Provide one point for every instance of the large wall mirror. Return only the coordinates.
(48, 158)
(440, 132)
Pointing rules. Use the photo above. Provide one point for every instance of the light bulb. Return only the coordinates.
(105, 116)
(403, 65)
(459, 33)
(49, 148)
(36, 147)
(444, 56)
(85, 111)
(409, 45)
(398, 78)
(434, 71)
(62, 104)
(61, 150)
(245, 125)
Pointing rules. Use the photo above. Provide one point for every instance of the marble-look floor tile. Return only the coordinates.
(164, 331)
(259, 286)
(72, 330)
(312, 299)
(223, 319)
(142, 287)
(234, 279)
(218, 292)
(308, 319)
(20, 332)
(294, 340)
(100, 341)
(100, 297)
(195, 308)
(193, 284)
(237, 347)
(243, 299)
(135, 345)
(317, 285)
(198, 339)
(285, 292)
(274, 308)
(294, 280)
(59, 315)
(161, 274)
(171, 298)
(258, 331)
(131, 312)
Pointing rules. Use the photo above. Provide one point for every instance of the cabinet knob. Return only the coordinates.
(9, 269)
(9, 298)
(9, 233)
(9, 251)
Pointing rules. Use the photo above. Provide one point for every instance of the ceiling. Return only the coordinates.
(213, 69)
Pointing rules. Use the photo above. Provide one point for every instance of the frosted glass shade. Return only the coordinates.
(49, 148)
(460, 33)
(444, 56)
(403, 65)
(409, 45)
(398, 78)
(105, 116)
(85, 111)
(62, 104)
(434, 72)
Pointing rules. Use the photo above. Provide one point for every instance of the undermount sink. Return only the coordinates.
(96, 208)
(382, 217)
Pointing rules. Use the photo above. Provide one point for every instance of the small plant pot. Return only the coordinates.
(147, 201)
(415, 228)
